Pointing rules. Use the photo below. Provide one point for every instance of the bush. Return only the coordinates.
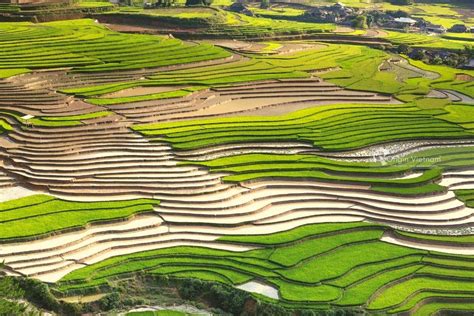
(191, 289)
(229, 299)
(38, 293)
(198, 2)
(110, 301)
(401, 2)
(360, 22)
(418, 54)
(9, 293)
(164, 3)
(403, 49)
(264, 4)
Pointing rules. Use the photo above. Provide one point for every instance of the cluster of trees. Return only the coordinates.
(10, 294)
(452, 59)
(360, 22)
(198, 2)
(164, 3)
(264, 4)
(221, 296)
(401, 2)
(23, 296)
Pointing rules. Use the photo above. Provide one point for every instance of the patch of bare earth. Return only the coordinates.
(343, 29)
(138, 91)
(464, 77)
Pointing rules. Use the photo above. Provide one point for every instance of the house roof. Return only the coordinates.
(405, 20)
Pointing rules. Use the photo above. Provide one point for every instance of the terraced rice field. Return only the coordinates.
(218, 23)
(428, 41)
(312, 175)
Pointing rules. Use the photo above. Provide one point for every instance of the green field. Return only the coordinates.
(38, 214)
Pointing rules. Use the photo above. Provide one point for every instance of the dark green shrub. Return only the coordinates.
(110, 301)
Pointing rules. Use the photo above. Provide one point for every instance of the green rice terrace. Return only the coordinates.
(203, 161)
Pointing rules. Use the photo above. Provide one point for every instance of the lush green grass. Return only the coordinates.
(460, 36)
(415, 299)
(5, 126)
(396, 293)
(5, 73)
(277, 12)
(78, 117)
(139, 98)
(431, 308)
(301, 264)
(294, 234)
(39, 214)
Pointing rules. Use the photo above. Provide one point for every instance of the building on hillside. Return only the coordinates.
(469, 65)
(405, 22)
(337, 13)
(460, 28)
(435, 28)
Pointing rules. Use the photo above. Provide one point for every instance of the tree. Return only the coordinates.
(265, 4)
(418, 54)
(469, 51)
(164, 3)
(403, 49)
(198, 2)
(360, 22)
(10, 293)
(437, 60)
(370, 20)
(401, 2)
(452, 60)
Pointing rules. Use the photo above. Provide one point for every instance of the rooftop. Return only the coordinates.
(405, 20)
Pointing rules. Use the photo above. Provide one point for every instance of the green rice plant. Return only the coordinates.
(431, 308)
(320, 268)
(396, 292)
(139, 98)
(467, 196)
(89, 47)
(440, 238)
(295, 234)
(38, 214)
(412, 302)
